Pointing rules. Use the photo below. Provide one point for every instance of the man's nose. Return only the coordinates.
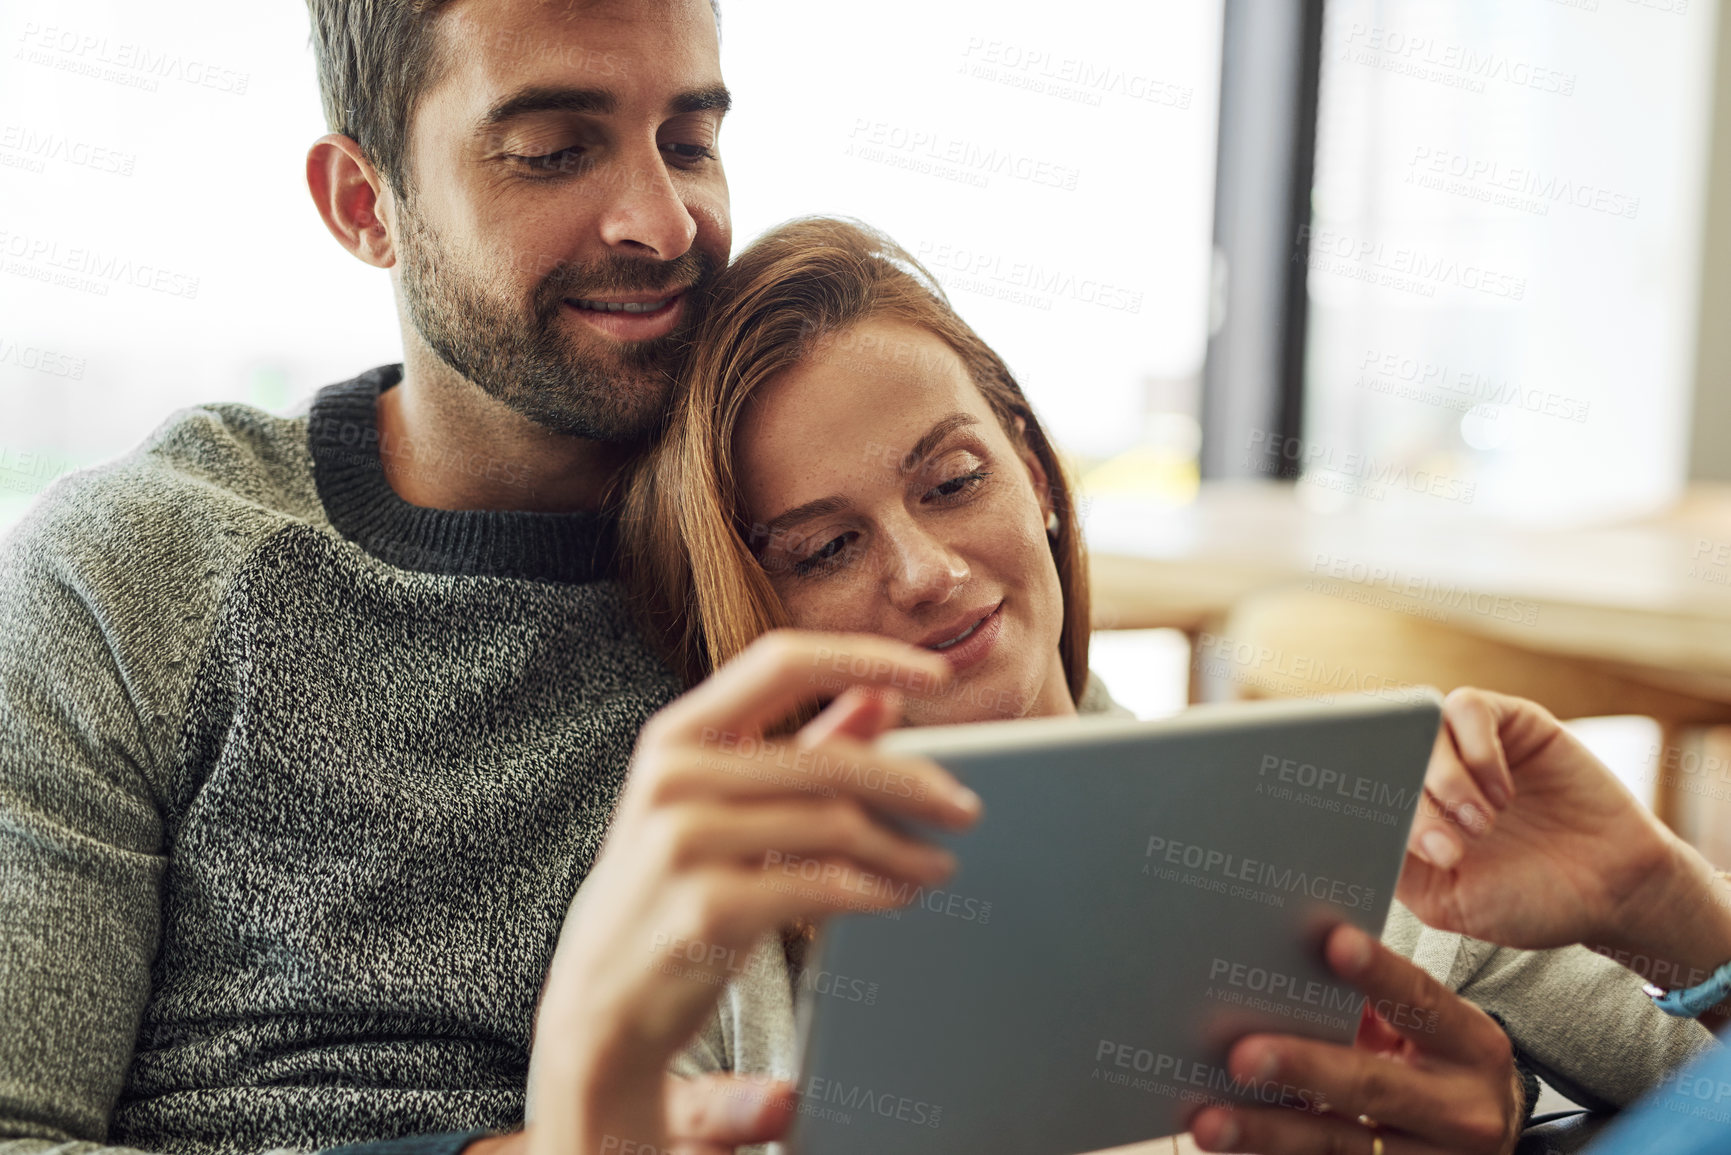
(644, 213)
(923, 570)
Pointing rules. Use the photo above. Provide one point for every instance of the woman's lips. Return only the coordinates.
(974, 648)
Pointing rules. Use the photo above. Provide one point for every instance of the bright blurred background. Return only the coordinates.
(1503, 214)
(1072, 225)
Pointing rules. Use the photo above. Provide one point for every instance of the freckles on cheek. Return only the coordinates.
(1026, 531)
(817, 609)
(1028, 552)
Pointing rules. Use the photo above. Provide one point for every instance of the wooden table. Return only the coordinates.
(1627, 618)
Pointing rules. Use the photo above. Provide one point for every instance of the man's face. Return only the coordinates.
(567, 204)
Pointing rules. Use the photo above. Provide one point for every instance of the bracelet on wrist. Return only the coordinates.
(1693, 1002)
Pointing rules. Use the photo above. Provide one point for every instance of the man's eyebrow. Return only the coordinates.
(715, 98)
(597, 102)
(543, 99)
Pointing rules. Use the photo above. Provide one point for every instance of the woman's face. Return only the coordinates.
(887, 498)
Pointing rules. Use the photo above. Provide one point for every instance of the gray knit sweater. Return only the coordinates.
(296, 783)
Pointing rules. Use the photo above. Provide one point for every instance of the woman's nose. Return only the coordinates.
(923, 570)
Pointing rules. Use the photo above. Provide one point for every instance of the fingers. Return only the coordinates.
(755, 769)
(706, 929)
(1475, 717)
(1450, 796)
(1270, 1131)
(1374, 1033)
(785, 669)
(717, 726)
(726, 1111)
(1430, 1015)
(1456, 1108)
(858, 713)
(1522, 727)
(1347, 1083)
(1448, 1087)
(713, 919)
(680, 940)
(1466, 782)
(1496, 733)
(832, 832)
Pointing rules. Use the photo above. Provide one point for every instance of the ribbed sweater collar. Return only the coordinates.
(343, 435)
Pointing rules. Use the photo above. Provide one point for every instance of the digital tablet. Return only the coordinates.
(1135, 897)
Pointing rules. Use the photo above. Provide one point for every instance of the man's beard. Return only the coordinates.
(531, 363)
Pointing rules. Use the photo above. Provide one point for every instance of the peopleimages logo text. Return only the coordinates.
(1173, 1069)
(1308, 992)
(884, 1104)
(1356, 787)
(1422, 267)
(1468, 62)
(1236, 868)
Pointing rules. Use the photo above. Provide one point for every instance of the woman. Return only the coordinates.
(845, 455)
(929, 506)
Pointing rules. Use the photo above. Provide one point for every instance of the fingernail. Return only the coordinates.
(1439, 849)
(1355, 955)
(965, 800)
(1267, 1066)
(1498, 794)
(1472, 818)
(743, 1109)
(939, 865)
(1226, 1134)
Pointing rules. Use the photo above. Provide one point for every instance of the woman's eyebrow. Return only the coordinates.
(935, 437)
(823, 506)
(782, 523)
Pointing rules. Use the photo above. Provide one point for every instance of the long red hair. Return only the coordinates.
(684, 528)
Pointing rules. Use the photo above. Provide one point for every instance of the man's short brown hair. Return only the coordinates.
(375, 58)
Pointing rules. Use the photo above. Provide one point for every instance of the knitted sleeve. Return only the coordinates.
(1581, 1022)
(98, 627)
(81, 855)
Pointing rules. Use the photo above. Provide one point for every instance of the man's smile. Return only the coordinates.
(632, 316)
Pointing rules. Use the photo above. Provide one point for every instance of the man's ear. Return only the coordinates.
(352, 198)
(1036, 471)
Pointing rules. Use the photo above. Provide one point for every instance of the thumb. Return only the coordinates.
(727, 1110)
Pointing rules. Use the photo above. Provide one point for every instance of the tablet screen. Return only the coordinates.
(1135, 897)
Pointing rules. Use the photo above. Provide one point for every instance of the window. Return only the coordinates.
(1503, 269)
(1053, 165)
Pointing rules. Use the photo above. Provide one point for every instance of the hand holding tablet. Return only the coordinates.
(1430, 1071)
(1137, 897)
(678, 888)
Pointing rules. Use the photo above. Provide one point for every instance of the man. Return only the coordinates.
(310, 727)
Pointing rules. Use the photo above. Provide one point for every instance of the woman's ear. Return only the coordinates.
(1036, 470)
